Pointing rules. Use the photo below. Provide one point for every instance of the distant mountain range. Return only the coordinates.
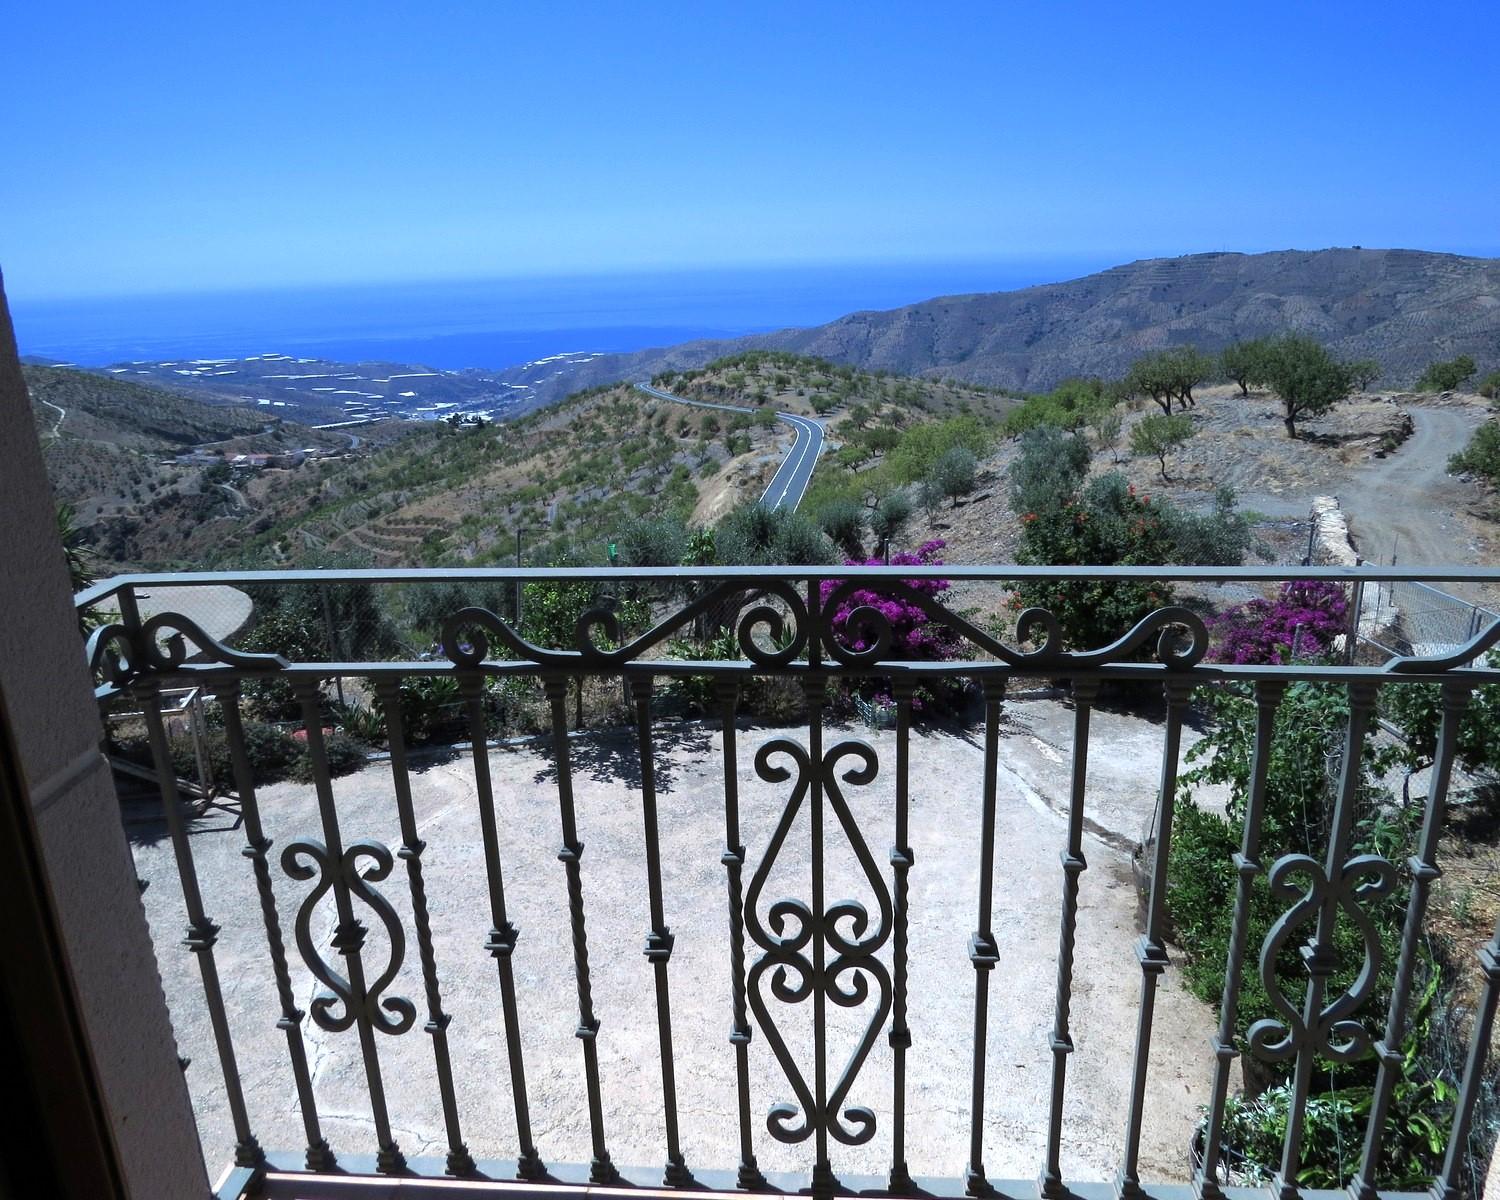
(1402, 308)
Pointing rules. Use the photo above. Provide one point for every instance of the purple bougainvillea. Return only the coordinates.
(1308, 613)
(913, 634)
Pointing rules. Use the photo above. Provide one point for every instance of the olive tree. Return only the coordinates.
(1308, 379)
(1159, 434)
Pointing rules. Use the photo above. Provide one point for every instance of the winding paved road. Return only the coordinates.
(789, 484)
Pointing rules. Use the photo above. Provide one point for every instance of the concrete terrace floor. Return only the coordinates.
(946, 782)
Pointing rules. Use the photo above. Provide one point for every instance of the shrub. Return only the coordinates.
(756, 535)
(913, 633)
(1308, 615)
(652, 542)
(344, 755)
(1482, 455)
(844, 522)
(1489, 386)
(1417, 709)
(888, 517)
(429, 703)
(270, 750)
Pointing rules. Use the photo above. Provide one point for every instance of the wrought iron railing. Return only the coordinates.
(782, 952)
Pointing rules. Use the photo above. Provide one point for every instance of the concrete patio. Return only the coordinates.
(946, 789)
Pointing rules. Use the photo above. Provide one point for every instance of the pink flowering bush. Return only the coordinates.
(913, 634)
(1309, 612)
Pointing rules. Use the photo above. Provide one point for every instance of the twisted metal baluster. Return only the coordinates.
(1073, 864)
(349, 937)
(1268, 694)
(824, 1182)
(1319, 957)
(1424, 872)
(602, 1170)
(659, 939)
(901, 862)
(1150, 950)
(501, 942)
(257, 845)
(727, 691)
(1448, 1186)
(388, 692)
(984, 952)
(202, 933)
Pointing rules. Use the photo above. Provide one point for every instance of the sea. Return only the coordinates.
(497, 323)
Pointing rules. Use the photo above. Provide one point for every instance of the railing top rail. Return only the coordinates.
(999, 573)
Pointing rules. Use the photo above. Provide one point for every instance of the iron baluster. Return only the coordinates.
(388, 693)
(501, 942)
(1073, 865)
(741, 1031)
(202, 933)
(659, 939)
(815, 690)
(901, 862)
(1150, 950)
(1448, 1185)
(1424, 872)
(257, 846)
(1268, 695)
(984, 952)
(602, 1170)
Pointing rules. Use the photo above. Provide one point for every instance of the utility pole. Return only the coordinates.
(520, 587)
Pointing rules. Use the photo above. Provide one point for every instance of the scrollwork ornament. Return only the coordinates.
(388, 1014)
(845, 928)
(1332, 1033)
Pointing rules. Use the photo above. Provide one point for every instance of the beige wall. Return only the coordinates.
(56, 728)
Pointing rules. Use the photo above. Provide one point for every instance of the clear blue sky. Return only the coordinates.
(185, 146)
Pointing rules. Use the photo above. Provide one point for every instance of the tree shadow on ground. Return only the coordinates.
(613, 756)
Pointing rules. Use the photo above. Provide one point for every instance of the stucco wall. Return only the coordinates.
(56, 728)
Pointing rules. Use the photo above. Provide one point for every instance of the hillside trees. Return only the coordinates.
(1067, 519)
(1169, 375)
(1364, 372)
(953, 475)
(1447, 376)
(1244, 362)
(1306, 377)
(1158, 435)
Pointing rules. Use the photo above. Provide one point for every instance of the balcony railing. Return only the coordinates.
(791, 947)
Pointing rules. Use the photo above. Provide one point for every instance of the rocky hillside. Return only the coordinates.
(1402, 308)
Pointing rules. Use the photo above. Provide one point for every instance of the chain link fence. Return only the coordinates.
(1418, 618)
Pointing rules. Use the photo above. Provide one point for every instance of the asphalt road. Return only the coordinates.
(789, 484)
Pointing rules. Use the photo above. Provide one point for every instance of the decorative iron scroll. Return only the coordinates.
(119, 654)
(793, 927)
(1181, 637)
(1333, 1034)
(394, 1014)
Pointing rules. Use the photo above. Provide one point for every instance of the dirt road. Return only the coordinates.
(1408, 503)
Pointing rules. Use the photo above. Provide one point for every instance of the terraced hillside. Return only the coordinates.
(778, 379)
(111, 448)
(567, 478)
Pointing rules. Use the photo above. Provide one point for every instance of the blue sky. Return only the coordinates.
(180, 147)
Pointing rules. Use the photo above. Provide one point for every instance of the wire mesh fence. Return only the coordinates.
(1421, 619)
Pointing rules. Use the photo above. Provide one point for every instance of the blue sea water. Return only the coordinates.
(498, 323)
